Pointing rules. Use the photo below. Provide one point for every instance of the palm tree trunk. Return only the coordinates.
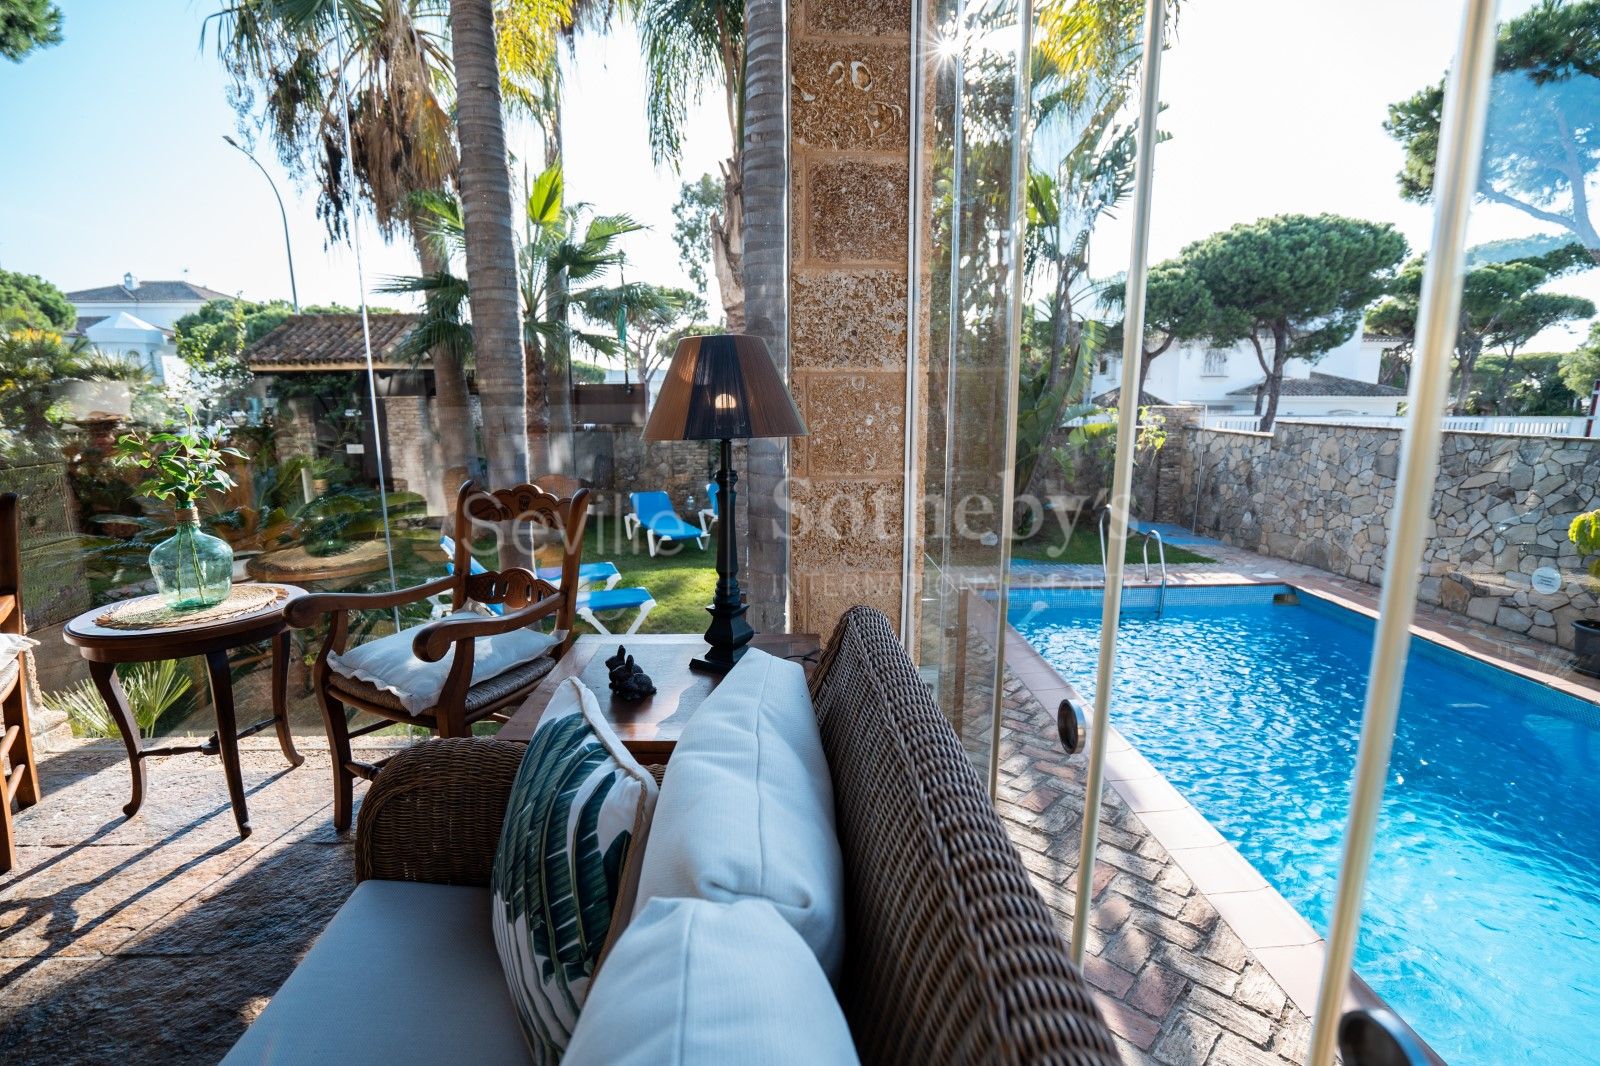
(727, 227)
(549, 373)
(763, 145)
(727, 243)
(452, 408)
(558, 379)
(491, 248)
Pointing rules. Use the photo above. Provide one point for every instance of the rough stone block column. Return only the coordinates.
(850, 188)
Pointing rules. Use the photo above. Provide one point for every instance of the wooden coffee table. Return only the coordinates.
(650, 728)
(105, 646)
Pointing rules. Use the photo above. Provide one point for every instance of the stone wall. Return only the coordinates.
(615, 460)
(1322, 494)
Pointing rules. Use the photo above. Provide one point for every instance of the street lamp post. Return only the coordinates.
(294, 292)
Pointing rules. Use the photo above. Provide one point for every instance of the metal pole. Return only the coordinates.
(1466, 104)
(911, 515)
(1594, 410)
(1122, 480)
(294, 291)
(1008, 473)
(366, 325)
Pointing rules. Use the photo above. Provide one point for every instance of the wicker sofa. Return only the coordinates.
(951, 955)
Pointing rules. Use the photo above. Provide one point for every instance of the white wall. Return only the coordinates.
(1184, 374)
(165, 315)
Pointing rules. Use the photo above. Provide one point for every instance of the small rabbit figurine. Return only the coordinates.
(629, 683)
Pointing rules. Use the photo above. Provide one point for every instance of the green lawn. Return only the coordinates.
(1084, 547)
(681, 582)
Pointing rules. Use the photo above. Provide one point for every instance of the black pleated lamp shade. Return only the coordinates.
(723, 387)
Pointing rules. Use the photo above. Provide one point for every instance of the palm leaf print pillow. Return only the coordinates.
(568, 863)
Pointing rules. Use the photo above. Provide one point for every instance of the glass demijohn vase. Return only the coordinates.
(192, 569)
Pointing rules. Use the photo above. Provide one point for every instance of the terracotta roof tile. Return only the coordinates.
(330, 342)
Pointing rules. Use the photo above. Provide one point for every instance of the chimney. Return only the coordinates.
(130, 282)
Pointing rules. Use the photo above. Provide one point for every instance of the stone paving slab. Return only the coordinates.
(158, 938)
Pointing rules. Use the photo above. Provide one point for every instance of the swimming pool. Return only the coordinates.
(1482, 921)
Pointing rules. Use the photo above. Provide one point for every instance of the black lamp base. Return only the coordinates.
(728, 634)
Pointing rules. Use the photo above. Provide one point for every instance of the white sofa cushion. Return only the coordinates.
(746, 807)
(396, 954)
(693, 983)
(568, 863)
(391, 665)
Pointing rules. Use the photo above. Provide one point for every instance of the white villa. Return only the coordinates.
(1224, 380)
(134, 320)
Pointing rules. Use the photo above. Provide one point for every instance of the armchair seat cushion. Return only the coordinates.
(389, 665)
(397, 953)
(479, 696)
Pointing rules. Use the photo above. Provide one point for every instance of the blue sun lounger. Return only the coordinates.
(589, 599)
(709, 515)
(653, 512)
(615, 600)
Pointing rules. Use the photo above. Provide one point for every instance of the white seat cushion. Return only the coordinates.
(405, 973)
(391, 665)
(746, 807)
(693, 983)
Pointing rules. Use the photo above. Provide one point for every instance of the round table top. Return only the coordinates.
(86, 631)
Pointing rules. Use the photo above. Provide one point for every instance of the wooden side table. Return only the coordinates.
(106, 645)
(650, 728)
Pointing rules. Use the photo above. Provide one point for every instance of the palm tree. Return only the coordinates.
(686, 44)
(514, 427)
(288, 55)
(568, 251)
(646, 317)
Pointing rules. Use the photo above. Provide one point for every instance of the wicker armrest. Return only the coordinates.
(434, 814)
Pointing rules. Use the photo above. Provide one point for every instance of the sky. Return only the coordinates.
(1277, 106)
(115, 163)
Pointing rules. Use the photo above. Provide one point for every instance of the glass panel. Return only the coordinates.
(183, 312)
(968, 274)
(1487, 748)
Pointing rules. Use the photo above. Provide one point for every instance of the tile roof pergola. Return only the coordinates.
(316, 343)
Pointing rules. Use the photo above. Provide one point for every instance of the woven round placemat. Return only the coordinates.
(152, 612)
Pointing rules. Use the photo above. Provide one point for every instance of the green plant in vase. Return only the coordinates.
(192, 569)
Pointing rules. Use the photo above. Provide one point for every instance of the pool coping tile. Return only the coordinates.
(1218, 869)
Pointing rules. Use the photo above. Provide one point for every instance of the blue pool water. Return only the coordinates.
(1482, 921)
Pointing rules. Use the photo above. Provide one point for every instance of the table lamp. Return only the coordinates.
(724, 387)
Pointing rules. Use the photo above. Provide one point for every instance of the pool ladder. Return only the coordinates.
(1161, 556)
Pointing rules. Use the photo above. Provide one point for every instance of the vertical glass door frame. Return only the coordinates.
(928, 475)
(1466, 105)
(1122, 477)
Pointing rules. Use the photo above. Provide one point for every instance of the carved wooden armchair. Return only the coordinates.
(528, 603)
